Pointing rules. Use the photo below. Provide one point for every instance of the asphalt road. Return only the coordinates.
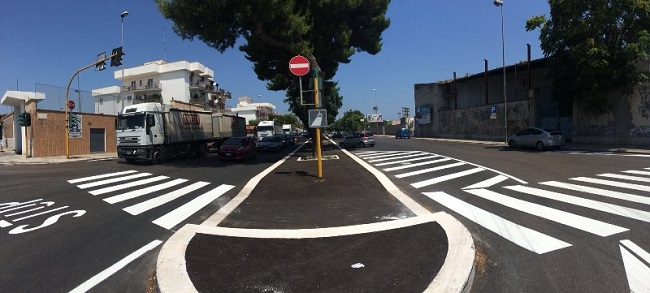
(533, 232)
(67, 235)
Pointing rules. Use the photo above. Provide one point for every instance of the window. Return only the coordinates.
(132, 85)
(128, 98)
(150, 82)
(101, 101)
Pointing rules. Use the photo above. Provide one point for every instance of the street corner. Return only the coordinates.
(404, 255)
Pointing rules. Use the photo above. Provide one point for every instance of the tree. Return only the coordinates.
(352, 120)
(326, 32)
(593, 47)
(253, 122)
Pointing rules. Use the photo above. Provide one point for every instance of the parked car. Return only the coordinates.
(403, 133)
(292, 138)
(358, 139)
(537, 138)
(269, 143)
(284, 139)
(238, 148)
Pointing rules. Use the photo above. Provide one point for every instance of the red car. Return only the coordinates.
(238, 148)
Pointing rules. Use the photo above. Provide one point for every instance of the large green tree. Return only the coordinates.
(593, 47)
(352, 120)
(328, 32)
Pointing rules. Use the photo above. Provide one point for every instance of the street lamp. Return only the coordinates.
(499, 3)
(375, 108)
(123, 15)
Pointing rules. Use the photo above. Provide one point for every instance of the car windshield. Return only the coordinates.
(269, 138)
(130, 122)
(234, 141)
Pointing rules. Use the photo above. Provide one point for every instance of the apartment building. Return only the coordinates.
(252, 111)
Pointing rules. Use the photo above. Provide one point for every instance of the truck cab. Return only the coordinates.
(139, 128)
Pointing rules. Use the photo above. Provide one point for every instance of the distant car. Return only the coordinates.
(284, 139)
(238, 148)
(269, 143)
(360, 139)
(292, 138)
(403, 133)
(537, 138)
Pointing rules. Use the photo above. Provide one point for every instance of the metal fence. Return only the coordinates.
(55, 98)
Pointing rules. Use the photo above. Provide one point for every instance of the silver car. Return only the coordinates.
(537, 138)
(362, 139)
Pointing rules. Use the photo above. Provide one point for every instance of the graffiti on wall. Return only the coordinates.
(644, 101)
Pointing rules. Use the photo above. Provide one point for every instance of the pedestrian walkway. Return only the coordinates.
(9, 157)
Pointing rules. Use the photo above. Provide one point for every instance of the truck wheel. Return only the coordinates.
(203, 149)
(157, 155)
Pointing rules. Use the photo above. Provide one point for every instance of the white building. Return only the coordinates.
(252, 111)
(162, 82)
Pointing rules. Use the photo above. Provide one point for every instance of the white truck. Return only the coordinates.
(287, 128)
(268, 128)
(150, 132)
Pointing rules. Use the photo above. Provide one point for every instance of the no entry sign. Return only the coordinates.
(299, 65)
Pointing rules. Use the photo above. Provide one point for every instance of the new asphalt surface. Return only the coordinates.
(288, 231)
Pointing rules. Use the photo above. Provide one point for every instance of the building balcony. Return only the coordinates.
(153, 88)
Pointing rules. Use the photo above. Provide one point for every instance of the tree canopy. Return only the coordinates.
(352, 120)
(271, 32)
(593, 47)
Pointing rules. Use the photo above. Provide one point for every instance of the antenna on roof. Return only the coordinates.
(164, 46)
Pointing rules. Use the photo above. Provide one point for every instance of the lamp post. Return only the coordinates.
(375, 108)
(499, 3)
(122, 16)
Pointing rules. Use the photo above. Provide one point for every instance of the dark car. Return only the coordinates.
(403, 133)
(238, 148)
(292, 139)
(270, 143)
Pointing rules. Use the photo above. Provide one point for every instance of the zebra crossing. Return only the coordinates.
(151, 192)
(624, 194)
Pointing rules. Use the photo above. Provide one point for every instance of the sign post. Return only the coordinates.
(299, 66)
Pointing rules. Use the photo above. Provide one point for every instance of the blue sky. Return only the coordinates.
(45, 42)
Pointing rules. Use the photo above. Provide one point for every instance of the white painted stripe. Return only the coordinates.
(41, 213)
(418, 172)
(583, 202)
(163, 199)
(399, 159)
(127, 185)
(101, 176)
(417, 164)
(18, 207)
(389, 157)
(625, 177)
(636, 155)
(445, 178)
(612, 183)
(114, 180)
(103, 275)
(4, 224)
(646, 173)
(495, 171)
(143, 191)
(637, 270)
(299, 65)
(370, 153)
(517, 234)
(600, 191)
(572, 220)
(183, 212)
(406, 161)
(13, 205)
(488, 182)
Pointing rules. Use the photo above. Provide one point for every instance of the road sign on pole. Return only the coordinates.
(299, 65)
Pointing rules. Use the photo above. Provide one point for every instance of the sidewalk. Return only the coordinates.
(9, 157)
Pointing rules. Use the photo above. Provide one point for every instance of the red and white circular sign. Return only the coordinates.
(70, 105)
(299, 65)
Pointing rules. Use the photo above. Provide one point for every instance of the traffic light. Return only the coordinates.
(21, 119)
(116, 60)
(28, 119)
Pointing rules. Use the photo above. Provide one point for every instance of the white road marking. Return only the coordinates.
(422, 171)
(407, 160)
(163, 199)
(572, 220)
(101, 176)
(646, 173)
(636, 155)
(108, 181)
(625, 177)
(4, 224)
(488, 182)
(583, 202)
(143, 191)
(127, 185)
(103, 275)
(517, 234)
(612, 183)
(636, 262)
(388, 157)
(183, 212)
(416, 164)
(445, 178)
(41, 213)
(600, 191)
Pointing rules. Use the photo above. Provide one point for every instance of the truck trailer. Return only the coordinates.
(150, 132)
